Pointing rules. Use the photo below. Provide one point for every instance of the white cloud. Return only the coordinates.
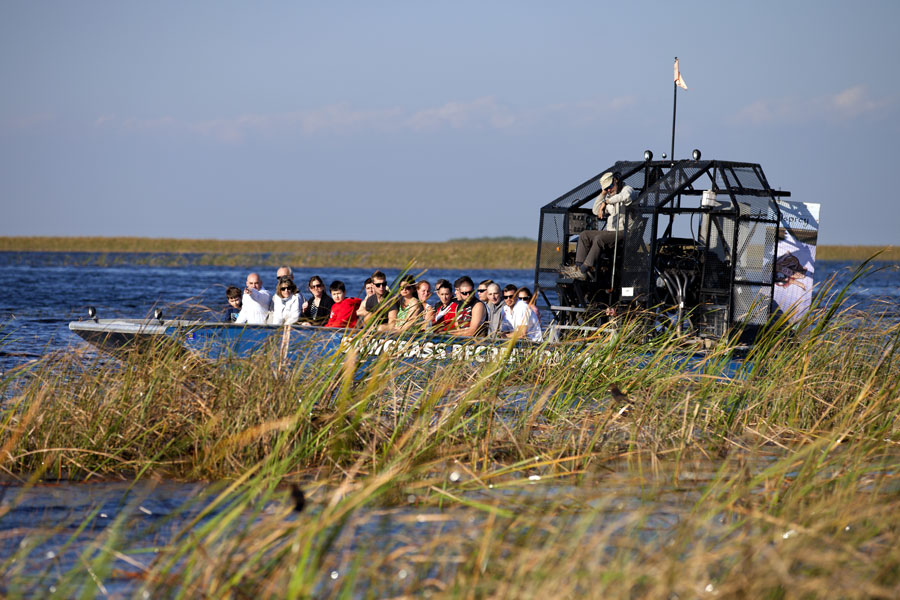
(845, 105)
(855, 101)
(481, 113)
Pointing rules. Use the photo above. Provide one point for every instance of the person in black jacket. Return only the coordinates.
(318, 308)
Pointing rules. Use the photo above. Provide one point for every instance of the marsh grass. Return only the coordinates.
(616, 472)
(504, 253)
(461, 253)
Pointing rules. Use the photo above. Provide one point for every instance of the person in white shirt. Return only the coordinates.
(518, 316)
(254, 302)
(285, 303)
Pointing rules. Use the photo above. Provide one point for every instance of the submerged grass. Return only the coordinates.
(613, 473)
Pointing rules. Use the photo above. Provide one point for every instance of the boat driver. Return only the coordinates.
(609, 204)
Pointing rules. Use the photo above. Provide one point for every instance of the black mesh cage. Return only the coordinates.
(723, 273)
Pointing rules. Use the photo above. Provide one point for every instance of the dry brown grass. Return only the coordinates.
(891, 253)
(304, 254)
(486, 254)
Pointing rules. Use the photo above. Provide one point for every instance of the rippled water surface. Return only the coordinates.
(40, 292)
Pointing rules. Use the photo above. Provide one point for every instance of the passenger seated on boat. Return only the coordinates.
(343, 311)
(254, 302)
(368, 288)
(493, 309)
(372, 311)
(284, 271)
(404, 314)
(423, 291)
(524, 294)
(509, 300)
(445, 307)
(482, 289)
(285, 303)
(233, 295)
(518, 318)
(470, 311)
(609, 204)
(318, 308)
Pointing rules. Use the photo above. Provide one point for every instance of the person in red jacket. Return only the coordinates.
(343, 311)
(445, 309)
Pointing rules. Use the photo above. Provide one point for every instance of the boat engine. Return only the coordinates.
(678, 269)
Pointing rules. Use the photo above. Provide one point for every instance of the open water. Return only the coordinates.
(41, 292)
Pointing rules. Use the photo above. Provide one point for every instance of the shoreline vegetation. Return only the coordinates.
(461, 253)
(619, 476)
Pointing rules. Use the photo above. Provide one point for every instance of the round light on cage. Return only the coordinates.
(648, 155)
(696, 154)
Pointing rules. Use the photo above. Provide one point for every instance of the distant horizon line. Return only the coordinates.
(500, 238)
(482, 239)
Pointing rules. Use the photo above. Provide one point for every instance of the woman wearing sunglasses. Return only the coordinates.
(285, 302)
(470, 310)
(404, 315)
(318, 308)
(525, 295)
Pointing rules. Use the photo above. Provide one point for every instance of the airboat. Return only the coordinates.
(709, 247)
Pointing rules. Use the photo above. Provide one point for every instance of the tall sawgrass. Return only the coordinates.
(616, 470)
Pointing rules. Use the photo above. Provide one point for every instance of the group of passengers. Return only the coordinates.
(460, 309)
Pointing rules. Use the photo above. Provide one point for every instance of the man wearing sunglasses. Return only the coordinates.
(482, 290)
(610, 205)
(518, 318)
(369, 310)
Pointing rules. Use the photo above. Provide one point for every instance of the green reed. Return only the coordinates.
(614, 472)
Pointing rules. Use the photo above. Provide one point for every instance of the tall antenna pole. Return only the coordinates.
(674, 105)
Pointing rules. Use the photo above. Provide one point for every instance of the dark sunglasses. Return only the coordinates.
(482, 290)
(525, 298)
(284, 289)
(466, 293)
(507, 296)
(382, 284)
(316, 286)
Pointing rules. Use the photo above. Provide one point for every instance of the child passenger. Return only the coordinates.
(343, 311)
(233, 294)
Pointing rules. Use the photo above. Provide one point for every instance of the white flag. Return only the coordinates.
(679, 80)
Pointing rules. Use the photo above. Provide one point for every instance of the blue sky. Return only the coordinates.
(427, 121)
